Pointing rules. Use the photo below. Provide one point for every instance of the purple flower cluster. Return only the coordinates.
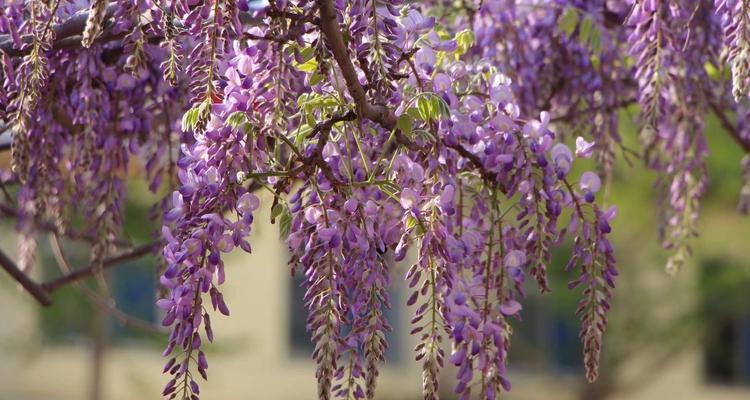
(565, 58)
(595, 255)
(79, 145)
(670, 78)
(200, 231)
(735, 16)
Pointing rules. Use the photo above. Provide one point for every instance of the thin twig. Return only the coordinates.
(137, 252)
(104, 304)
(73, 26)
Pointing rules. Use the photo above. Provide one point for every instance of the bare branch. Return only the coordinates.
(71, 27)
(137, 252)
(39, 293)
(463, 152)
(730, 127)
(104, 304)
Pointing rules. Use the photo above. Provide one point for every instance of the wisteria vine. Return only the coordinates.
(435, 133)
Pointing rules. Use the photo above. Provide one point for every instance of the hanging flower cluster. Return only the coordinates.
(385, 131)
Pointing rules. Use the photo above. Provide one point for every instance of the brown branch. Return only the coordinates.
(314, 159)
(71, 27)
(292, 34)
(327, 125)
(104, 304)
(325, 133)
(38, 292)
(733, 131)
(613, 108)
(137, 252)
(270, 38)
(335, 40)
(377, 113)
(463, 152)
(579, 209)
(68, 33)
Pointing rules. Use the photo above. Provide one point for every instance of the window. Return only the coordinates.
(546, 338)
(131, 285)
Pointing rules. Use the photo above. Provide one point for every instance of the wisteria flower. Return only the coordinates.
(562, 159)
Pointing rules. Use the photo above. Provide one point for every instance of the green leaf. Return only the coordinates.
(584, 35)
(425, 112)
(285, 223)
(595, 42)
(595, 61)
(435, 106)
(302, 133)
(236, 119)
(310, 118)
(303, 99)
(190, 118)
(444, 109)
(307, 53)
(712, 71)
(413, 112)
(568, 21)
(464, 40)
(308, 66)
(405, 124)
(317, 101)
(411, 222)
(439, 107)
(315, 78)
(276, 210)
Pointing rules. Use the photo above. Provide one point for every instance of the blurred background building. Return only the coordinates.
(683, 337)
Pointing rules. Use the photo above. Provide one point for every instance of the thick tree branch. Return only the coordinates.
(729, 126)
(330, 27)
(137, 252)
(71, 27)
(68, 33)
(39, 293)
